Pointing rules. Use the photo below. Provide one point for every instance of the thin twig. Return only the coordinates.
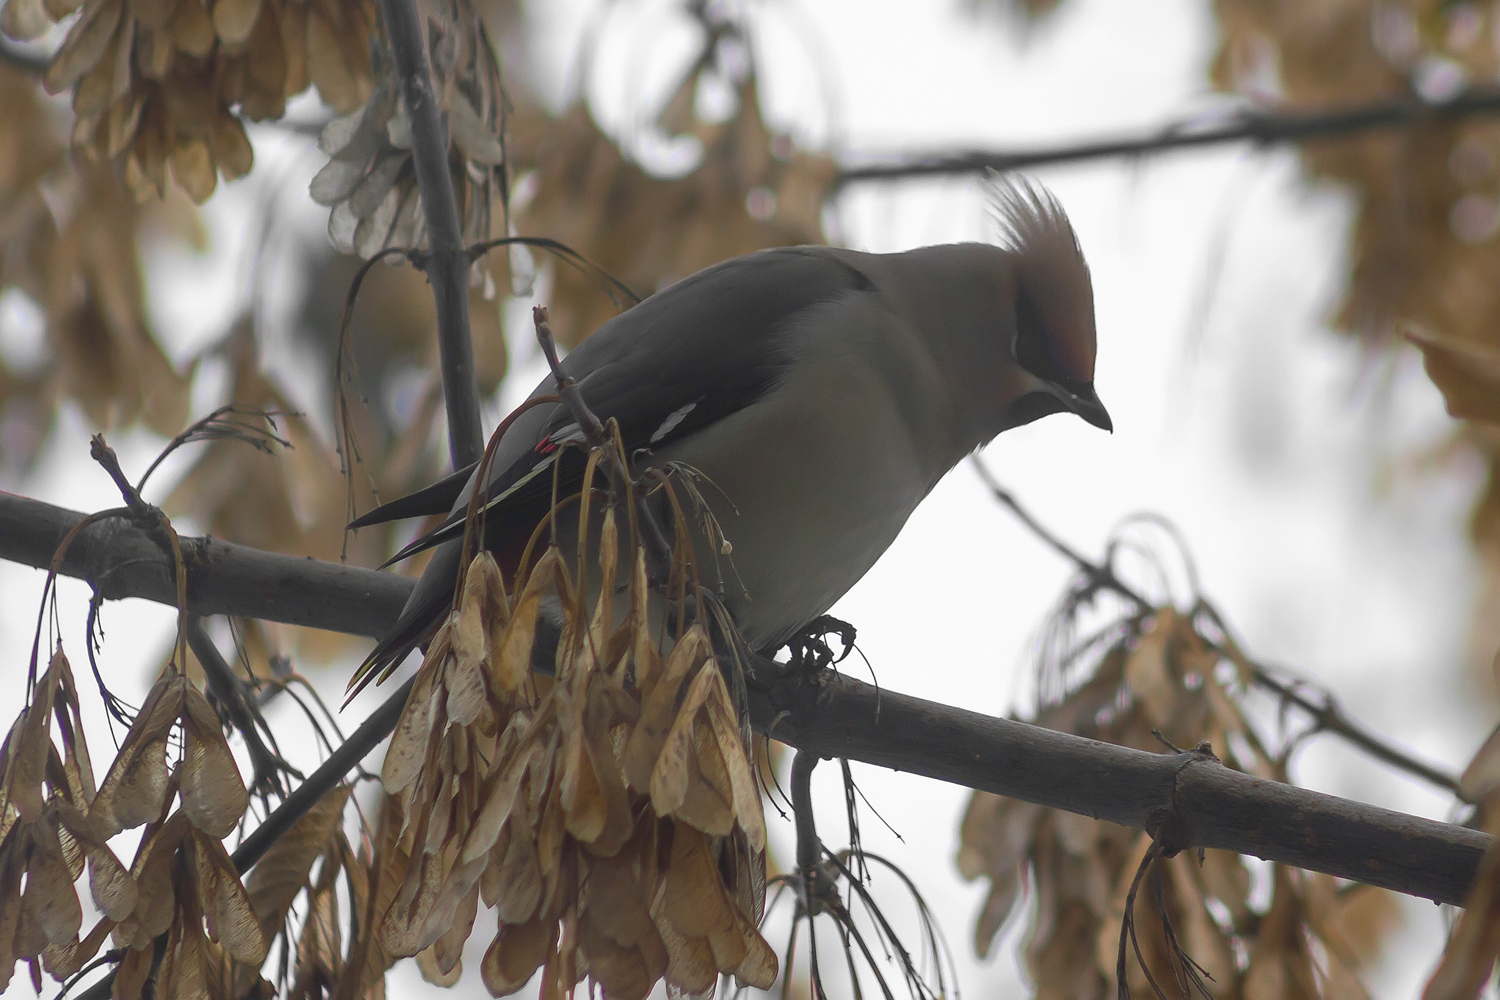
(376, 727)
(446, 263)
(242, 713)
(1263, 128)
(102, 453)
(1326, 713)
(567, 389)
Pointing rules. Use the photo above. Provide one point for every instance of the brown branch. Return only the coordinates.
(1262, 128)
(120, 560)
(835, 716)
(446, 262)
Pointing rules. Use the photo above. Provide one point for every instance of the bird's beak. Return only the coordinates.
(1085, 402)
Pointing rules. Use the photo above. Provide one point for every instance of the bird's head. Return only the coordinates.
(1052, 339)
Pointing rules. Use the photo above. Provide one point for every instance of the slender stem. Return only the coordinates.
(567, 389)
(447, 263)
(1263, 128)
(243, 714)
(809, 848)
(1326, 714)
(377, 726)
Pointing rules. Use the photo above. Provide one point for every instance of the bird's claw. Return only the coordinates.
(810, 651)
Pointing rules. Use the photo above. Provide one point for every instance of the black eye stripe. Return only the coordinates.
(1031, 347)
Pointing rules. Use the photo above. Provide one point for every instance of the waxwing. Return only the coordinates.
(821, 393)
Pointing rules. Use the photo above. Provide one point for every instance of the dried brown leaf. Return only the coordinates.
(620, 970)
(659, 712)
(135, 787)
(1466, 372)
(50, 899)
(233, 19)
(193, 168)
(283, 871)
(24, 20)
(736, 759)
(693, 899)
(85, 45)
(515, 954)
(213, 793)
(230, 917)
(512, 657)
(464, 669)
(672, 774)
(111, 886)
(408, 747)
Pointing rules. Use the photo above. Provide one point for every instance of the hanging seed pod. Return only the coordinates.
(566, 823)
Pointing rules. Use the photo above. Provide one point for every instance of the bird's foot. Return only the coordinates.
(810, 649)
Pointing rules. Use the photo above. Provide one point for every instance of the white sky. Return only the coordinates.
(1263, 436)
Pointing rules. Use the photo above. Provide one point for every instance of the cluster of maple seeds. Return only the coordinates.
(154, 81)
(53, 824)
(370, 180)
(1160, 675)
(608, 813)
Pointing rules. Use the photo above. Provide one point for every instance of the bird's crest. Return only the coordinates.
(1052, 272)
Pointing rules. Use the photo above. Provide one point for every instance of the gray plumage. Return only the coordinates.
(823, 393)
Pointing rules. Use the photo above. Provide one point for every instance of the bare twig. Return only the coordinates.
(446, 263)
(834, 716)
(102, 453)
(567, 389)
(331, 773)
(1263, 128)
(219, 425)
(1325, 712)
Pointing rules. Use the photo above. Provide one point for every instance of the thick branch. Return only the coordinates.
(839, 717)
(447, 264)
(223, 579)
(1262, 128)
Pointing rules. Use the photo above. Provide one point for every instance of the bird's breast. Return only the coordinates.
(809, 488)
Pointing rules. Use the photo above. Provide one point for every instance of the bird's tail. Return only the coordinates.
(429, 602)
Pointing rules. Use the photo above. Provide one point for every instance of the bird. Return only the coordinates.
(820, 393)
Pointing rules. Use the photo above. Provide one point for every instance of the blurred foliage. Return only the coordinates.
(71, 234)
(749, 190)
(1160, 676)
(1425, 255)
(166, 82)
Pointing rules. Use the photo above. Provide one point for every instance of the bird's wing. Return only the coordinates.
(673, 365)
